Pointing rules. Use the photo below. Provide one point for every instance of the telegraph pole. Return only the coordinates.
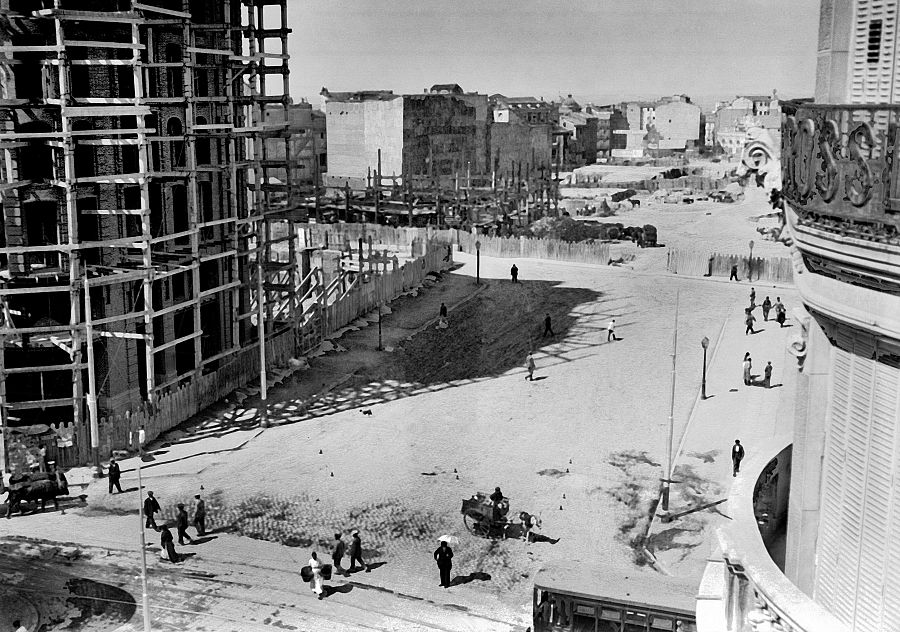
(667, 481)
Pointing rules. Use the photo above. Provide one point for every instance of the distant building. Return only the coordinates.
(604, 130)
(521, 132)
(581, 143)
(733, 122)
(308, 145)
(431, 133)
(677, 121)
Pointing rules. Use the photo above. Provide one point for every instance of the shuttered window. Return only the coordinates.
(874, 53)
(858, 525)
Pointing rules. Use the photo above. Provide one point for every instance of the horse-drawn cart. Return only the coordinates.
(484, 517)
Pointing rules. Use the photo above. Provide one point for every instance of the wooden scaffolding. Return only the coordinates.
(138, 201)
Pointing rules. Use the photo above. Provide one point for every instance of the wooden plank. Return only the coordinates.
(125, 17)
(41, 403)
(121, 334)
(102, 44)
(121, 211)
(149, 7)
(209, 51)
(40, 369)
(112, 110)
(218, 289)
(172, 343)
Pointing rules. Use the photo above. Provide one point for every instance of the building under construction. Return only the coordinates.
(137, 203)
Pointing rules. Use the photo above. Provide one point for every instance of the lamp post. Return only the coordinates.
(477, 263)
(145, 595)
(705, 344)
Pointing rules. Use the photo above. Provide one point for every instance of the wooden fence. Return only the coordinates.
(119, 432)
(697, 183)
(336, 235)
(699, 263)
(529, 248)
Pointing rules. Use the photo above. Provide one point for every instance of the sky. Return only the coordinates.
(596, 50)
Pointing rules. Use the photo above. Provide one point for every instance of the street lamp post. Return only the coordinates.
(145, 595)
(478, 263)
(705, 344)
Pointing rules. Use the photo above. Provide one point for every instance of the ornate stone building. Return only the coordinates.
(838, 517)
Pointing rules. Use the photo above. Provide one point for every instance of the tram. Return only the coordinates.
(584, 598)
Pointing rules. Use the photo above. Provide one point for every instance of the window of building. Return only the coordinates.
(201, 144)
(176, 147)
(174, 76)
(874, 47)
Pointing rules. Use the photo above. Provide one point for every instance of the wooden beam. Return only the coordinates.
(149, 7)
(41, 403)
(177, 341)
(41, 369)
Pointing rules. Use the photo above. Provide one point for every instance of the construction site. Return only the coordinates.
(139, 208)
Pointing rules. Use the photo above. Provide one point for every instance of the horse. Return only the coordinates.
(36, 487)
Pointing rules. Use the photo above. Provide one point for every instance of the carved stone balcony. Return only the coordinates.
(841, 182)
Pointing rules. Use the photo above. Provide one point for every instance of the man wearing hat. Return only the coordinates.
(356, 553)
(115, 473)
(200, 516)
(151, 506)
(181, 523)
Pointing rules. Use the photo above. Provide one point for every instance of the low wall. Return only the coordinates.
(528, 248)
(699, 263)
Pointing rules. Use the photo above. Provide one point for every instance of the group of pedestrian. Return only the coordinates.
(317, 572)
(747, 367)
(182, 521)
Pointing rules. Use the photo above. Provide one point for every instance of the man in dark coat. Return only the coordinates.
(737, 455)
(356, 553)
(167, 542)
(114, 475)
(151, 506)
(766, 307)
(733, 276)
(444, 557)
(181, 523)
(547, 328)
(514, 273)
(200, 516)
(767, 381)
(337, 554)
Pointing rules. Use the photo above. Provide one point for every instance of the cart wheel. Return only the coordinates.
(471, 523)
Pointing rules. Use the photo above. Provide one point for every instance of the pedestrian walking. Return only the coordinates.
(356, 553)
(611, 330)
(444, 557)
(337, 554)
(766, 308)
(733, 276)
(547, 328)
(114, 475)
(181, 524)
(167, 543)
(767, 372)
(514, 273)
(529, 364)
(200, 515)
(749, 319)
(317, 582)
(443, 312)
(780, 311)
(151, 506)
(747, 365)
(752, 297)
(737, 455)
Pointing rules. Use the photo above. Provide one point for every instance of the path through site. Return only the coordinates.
(583, 446)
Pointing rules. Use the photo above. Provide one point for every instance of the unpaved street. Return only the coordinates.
(583, 446)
